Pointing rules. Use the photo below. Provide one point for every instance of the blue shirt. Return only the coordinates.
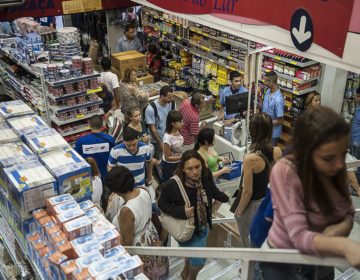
(355, 127)
(226, 92)
(273, 105)
(98, 146)
(120, 156)
(123, 44)
(160, 121)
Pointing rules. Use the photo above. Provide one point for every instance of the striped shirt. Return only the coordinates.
(294, 227)
(120, 156)
(190, 122)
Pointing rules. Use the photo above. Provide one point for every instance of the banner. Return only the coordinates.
(325, 22)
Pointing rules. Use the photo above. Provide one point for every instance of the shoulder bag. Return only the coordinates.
(181, 230)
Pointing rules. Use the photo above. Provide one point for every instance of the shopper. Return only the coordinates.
(205, 147)
(153, 61)
(129, 42)
(190, 111)
(273, 105)
(236, 86)
(107, 98)
(173, 142)
(134, 155)
(130, 94)
(96, 181)
(201, 190)
(133, 120)
(312, 101)
(110, 80)
(256, 169)
(133, 220)
(97, 145)
(312, 208)
(155, 116)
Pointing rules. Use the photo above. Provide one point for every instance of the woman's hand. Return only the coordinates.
(352, 253)
(145, 138)
(189, 212)
(226, 170)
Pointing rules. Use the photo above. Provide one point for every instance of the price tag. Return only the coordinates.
(295, 92)
(230, 57)
(296, 81)
(277, 57)
(225, 41)
(178, 37)
(293, 62)
(165, 32)
(211, 60)
(205, 48)
(232, 68)
(80, 116)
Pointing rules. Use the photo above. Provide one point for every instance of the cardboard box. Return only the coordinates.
(148, 79)
(100, 267)
(55, 200)
(27, 124)
(125, 60)
(14, 108)
(55, 260)
(30, 184)
(66, 269)
(23, 227)
(45, 141)
(115, 252)
(86, 261)
(110, 239)
(72, 172)
(77, 228)
(7, 134)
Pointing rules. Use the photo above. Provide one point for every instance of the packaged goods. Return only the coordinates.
(115, 252)
(100, 267)
(83, 239)
(93, 213)
(30, 184)
(86, 205)
(7, 134)
(27, 124)
(88, 248)
(72, 172)
(87, 260)
(55, 260)
(130, 267)
(77, 227)
(81, 274)
(109, 239)
(15, 153)
(45, 141)
(52, 201)
(65, 207)
(68, 215)
(66, 269)
(14, 108)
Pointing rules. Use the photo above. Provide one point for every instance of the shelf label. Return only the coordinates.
(90, 91)
(225, 41)
(293, 62)
(230, 57)
(165, 32)
(178, 37)
(205, 48)
(295, 92)
(277, 57)
(80, 116)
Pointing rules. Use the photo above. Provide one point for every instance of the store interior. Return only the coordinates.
(52, 69)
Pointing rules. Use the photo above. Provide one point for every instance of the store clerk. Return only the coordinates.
(129, 42)
(235, 87)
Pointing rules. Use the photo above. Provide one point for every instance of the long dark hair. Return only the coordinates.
(313, 129)
(184, 158)
(206, 136)
(260, 132)
(173, 116)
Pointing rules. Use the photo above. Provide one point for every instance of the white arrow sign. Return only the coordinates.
(300, 34)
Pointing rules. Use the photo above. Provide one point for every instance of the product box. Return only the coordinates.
(88, 248)
(87, 260)
(27, 124)
(115, 253)
(100, 267)
(87, 204)
(66, 269)
(65, 247)
(77, 227)
(82, 240)
(130, 267)
(45, 141)
(23, 227)
(15, 153)
(101, 225)
(52, 201)
(7, 134)
(14, 108)
(55, 260)
(68, 216)
(3, 201)
(148, 79)
(81, 274)
(110, 239)
(93, 213)
(66, 207)
(30, 184)
(131, 59)
(72, 172)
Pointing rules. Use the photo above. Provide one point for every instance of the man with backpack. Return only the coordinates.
(155, 117)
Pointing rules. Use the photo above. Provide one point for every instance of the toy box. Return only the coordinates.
(87, 260)
(27, 124)
(72, 172)
(23, 227)
(78, 227)
(14, 108)
(29, 185)
(45, 141)
(7, 134)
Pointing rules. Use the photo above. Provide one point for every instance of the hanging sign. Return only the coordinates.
(81, 6)
(329, 19)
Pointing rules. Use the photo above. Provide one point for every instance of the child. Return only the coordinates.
(96, 181)
(173, 142)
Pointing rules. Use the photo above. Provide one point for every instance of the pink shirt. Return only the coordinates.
(190, 120)
(293, 227)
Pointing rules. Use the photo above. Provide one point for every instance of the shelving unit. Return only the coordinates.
(76, 94)
(77, 118)
(72, 80)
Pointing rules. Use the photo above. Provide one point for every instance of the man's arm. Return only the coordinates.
(116, 92)
(149, 171)
(119, 45)
(156, 136)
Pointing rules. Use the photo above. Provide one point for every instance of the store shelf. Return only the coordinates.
(72, 80)
(76, 94)
(64, 108)
(77, 118)
(291, 78)
(23, 65)
(296, 63)
(301, 92)
(75, 130)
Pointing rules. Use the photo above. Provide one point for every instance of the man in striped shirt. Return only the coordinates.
(190, 111)
(134, 155)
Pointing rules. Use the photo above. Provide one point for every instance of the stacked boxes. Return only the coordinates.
(131, 59)
(93, 244)
(27, 124)
(45, 141)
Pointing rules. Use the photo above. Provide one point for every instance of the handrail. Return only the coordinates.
(248, 256)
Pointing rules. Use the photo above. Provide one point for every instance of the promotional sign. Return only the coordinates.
(328, 19)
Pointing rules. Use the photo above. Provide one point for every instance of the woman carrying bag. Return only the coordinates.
(255, 173)
(196, 179)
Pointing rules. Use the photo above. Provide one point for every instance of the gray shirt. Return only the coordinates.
(123, 45)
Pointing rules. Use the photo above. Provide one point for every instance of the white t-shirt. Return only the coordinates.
(97, 190)
(110, 80)
(175, 142)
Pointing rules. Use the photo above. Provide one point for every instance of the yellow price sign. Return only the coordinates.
(293, 62)
(81, 6)
(80, 116)
(225, 41)
(277, 57)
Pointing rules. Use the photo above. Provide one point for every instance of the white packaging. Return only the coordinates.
(45, 141)
(27, 124)
(15, 153)
(87, 260)
(7, 135)
(14, 108)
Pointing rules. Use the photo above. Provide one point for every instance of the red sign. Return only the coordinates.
(43, 8)
(330, 18)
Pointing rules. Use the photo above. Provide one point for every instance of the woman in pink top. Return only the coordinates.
(312, 207)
